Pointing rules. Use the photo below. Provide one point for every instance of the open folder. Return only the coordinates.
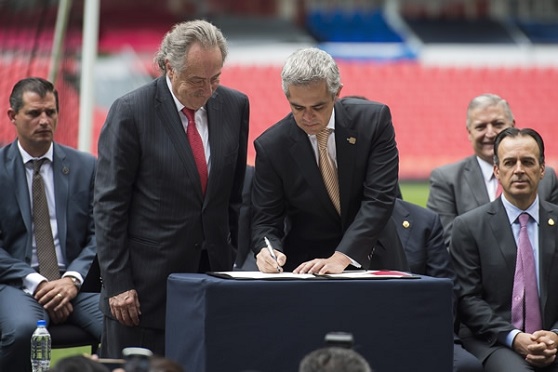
(354, 274)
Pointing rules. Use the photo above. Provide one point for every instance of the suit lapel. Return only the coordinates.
(475, 181)
(403, 222)
(218, 135)
(503, 235)
(346, 142)
(548, 252)
(170, 120)
(21, 189)
(60, 172)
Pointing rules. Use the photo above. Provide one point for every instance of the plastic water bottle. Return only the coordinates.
(40, 348)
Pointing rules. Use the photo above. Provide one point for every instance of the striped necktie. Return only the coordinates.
(328, 170)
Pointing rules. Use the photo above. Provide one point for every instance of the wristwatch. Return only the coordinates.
(76, 282)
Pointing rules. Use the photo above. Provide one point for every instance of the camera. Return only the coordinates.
(137, 359)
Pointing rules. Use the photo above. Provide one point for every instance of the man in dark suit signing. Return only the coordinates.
(505, 255)
(172, 156)
(330, 167)
(47, 236)
(460, 187)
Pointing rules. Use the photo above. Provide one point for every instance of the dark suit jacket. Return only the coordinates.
(287, 182)
(151, 217)
(244, 232)
(459, 187)
(421, 235)
(74, 175)
(388, 252)
(483, 252)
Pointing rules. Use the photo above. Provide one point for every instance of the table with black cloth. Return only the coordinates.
(226, 325)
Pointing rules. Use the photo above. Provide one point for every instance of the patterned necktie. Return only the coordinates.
(46, 254)
(526, 311)
(196, 144)
(328, 170)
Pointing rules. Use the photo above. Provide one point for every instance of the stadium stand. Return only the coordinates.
(427, 99)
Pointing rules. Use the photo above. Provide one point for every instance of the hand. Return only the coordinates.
(543, 350)
(125, 308)
(538, 349)
(266, 263)
(332, 265)
(61, 315)
(56, 295)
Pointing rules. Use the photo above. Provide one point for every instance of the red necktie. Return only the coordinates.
(498, 189)
(196, 144)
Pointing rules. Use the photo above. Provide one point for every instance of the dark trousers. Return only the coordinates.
(148, 338)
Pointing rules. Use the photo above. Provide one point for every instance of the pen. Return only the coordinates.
(270, 249)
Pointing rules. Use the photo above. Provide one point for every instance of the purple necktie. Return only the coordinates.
(526, 309)
(196, 144)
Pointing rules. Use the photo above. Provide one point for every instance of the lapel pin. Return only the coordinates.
(551, 222)
(66, 170)
(351, 140)
(406, 224)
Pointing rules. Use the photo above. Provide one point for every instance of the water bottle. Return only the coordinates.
(40, 348)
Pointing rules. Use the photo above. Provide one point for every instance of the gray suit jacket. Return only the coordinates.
(483, 253)
(151, 217)
(74, 175)
(287, 182)
(459, 187)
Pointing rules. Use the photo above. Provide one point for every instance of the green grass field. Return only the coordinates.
(414, 192)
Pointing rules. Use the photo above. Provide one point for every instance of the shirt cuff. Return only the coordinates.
(75, 274)
(511, 336)
(31, 282)
(353, 262)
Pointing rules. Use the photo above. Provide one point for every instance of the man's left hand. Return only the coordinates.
(56, 294)
(543, 350)
(332, 265)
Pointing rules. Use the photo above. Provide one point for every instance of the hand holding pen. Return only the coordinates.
(272, 253)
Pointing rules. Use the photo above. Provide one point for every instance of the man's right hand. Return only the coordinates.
(125, 308)
(267, 264)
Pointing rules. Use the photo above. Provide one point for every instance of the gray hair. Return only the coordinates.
(310, 65)
(488, 100)
(177, 42)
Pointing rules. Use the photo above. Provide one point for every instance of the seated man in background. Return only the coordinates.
(459, 187)
(505, 257)
(421, 235)
(47, 238)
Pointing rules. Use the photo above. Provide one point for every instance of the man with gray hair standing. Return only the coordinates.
(460, 187)
(172, 156)
(330, 169)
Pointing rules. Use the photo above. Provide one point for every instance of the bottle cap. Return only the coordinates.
(41, 323)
